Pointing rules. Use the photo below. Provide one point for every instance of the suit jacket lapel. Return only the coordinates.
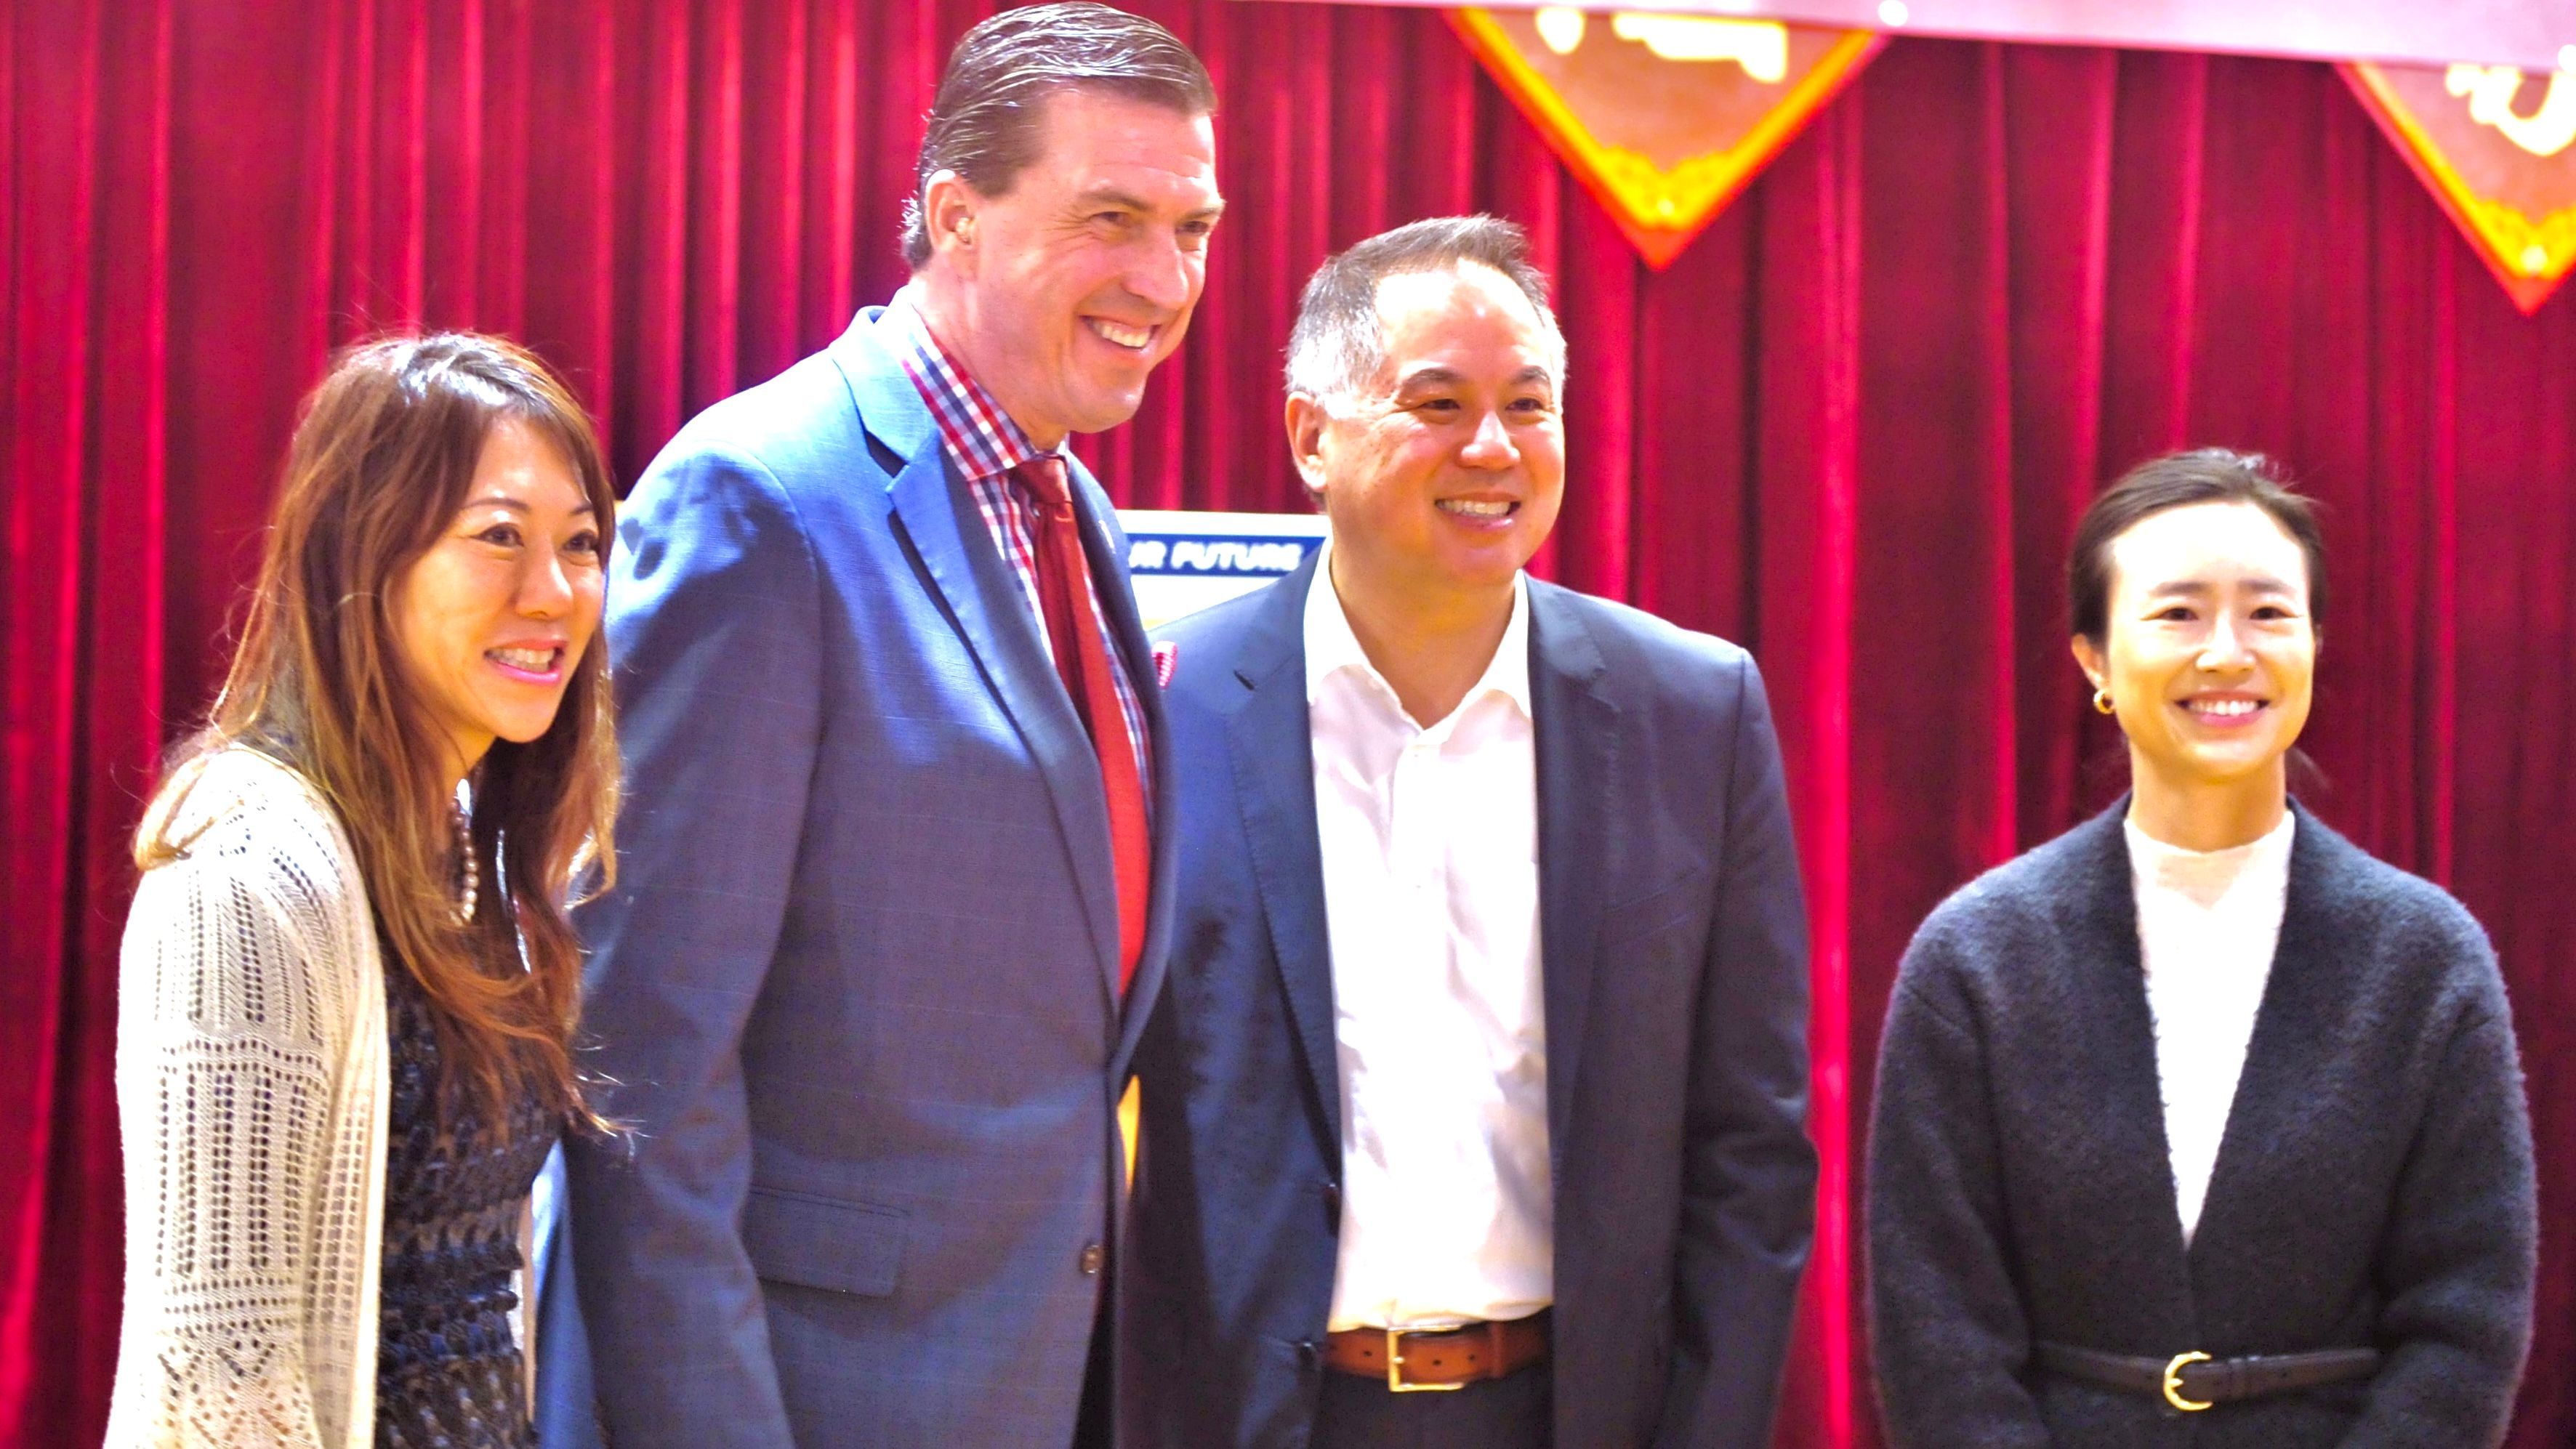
(1272, 753)
(986, 606)
(1577, 733)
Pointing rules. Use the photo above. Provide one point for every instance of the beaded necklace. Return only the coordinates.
(469, 880)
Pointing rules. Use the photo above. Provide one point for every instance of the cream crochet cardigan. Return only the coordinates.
(252, 1083)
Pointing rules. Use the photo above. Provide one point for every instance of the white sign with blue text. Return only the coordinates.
(1183, 561)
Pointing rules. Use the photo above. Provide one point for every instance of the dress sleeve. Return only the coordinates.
(224, 1066)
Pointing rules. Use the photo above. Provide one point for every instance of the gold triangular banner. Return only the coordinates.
(2498, 148)
(1664, 118)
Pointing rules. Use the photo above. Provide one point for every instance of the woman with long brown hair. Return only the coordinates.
(347, 993)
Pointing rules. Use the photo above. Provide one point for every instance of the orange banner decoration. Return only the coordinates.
(2498, 147)
(1663, 117)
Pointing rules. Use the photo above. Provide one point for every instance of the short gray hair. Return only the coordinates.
(1338, 343)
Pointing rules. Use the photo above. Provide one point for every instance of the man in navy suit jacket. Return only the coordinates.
(1481, 1067)
(895, 864)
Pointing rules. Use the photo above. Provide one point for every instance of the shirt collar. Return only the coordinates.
(1331, 646)
(2207, 875)
(979, 437)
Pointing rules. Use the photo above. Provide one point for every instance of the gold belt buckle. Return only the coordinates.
(1395, 1382)
(2173, 1383)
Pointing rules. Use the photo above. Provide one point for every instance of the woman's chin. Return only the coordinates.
(521, 731)
(2231, 769)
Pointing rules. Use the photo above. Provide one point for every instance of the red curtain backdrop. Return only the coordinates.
(1850, 427)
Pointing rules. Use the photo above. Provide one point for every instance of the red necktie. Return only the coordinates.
(1082, 658)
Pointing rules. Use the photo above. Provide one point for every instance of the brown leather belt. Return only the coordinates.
(1439, 1358)
(2194, 1381)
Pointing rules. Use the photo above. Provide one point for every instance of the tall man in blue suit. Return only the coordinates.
(894, 871)
(1482, 1064)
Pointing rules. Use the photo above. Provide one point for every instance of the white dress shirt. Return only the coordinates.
(1430, 864)
(2208, 922)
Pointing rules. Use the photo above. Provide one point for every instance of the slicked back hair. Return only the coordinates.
(985, 123)
(1338, 345)
(2178, 480)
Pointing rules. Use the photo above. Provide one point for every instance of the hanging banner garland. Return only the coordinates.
(1664, 118)
(2498, 148)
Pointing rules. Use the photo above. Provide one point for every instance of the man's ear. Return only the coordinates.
(1306, 420)
(948, 207)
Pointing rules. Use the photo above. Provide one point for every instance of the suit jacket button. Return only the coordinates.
(1308, 1354)
(1092, 1258)
(1333, 1203)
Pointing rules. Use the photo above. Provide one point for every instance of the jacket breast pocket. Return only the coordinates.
(820, 1242)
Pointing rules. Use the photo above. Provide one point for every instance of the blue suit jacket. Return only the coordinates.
(1674, 966)
(857, 982)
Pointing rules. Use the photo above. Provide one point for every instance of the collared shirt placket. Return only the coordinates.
(1421, 916)
(1408, 821)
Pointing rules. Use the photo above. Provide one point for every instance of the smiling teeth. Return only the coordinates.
(1123, 336)
(1476, 509)
(535, 661)
(2227, 706)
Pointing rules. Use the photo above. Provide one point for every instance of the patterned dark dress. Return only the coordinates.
(448, 1369)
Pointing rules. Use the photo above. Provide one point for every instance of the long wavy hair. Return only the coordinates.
(379, 465)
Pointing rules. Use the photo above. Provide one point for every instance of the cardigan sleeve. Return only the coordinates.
(1947, 1327)
(2459, 1262)
(224, 1076)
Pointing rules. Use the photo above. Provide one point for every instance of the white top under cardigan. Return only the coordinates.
(2208, 922)
(1429, 841)
(253, 1090)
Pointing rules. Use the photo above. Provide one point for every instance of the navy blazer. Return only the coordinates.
(857, 985)
(1674, 965)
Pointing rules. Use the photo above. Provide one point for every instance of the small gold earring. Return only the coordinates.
(2102, 701)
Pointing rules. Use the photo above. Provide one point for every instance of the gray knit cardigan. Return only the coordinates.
(2374, 1186)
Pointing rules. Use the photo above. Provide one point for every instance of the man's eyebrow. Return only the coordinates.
(1129, 201)
(1109, 196)
(1433, 375)
(1437, 375)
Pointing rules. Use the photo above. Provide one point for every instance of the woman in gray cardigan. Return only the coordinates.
(2197, 1126)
